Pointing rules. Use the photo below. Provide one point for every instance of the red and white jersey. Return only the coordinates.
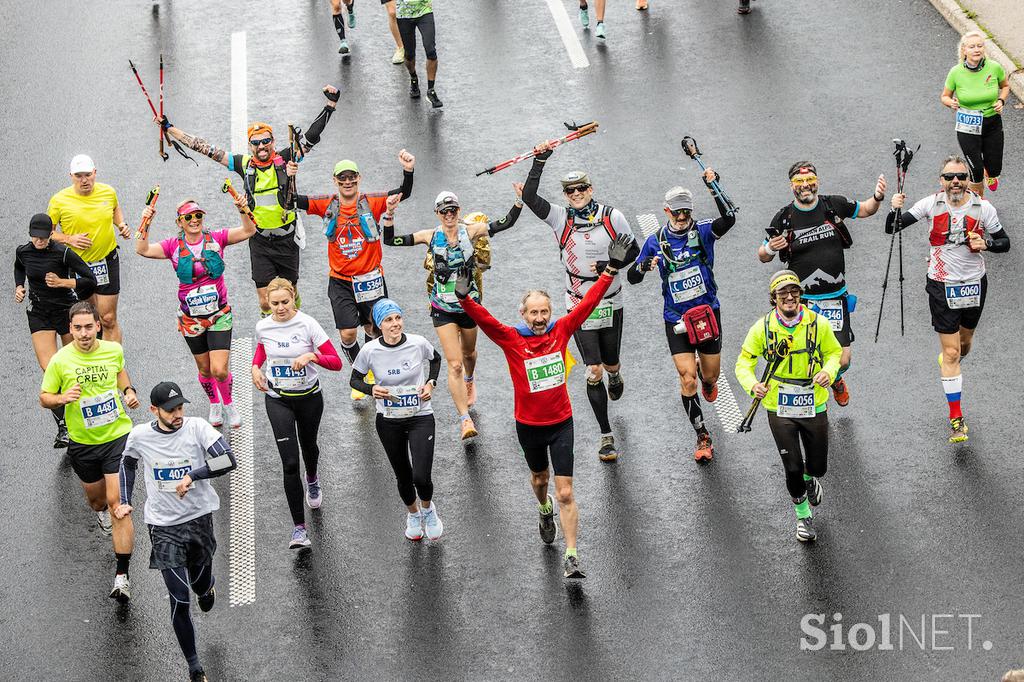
(950, 260)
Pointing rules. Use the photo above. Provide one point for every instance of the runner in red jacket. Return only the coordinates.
(535, 351)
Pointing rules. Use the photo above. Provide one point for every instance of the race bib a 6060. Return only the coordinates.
(963, 294)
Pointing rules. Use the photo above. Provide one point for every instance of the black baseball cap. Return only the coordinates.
(40, 225)
(167, 395)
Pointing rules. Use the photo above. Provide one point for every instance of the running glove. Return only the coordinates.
(462, 283)
(618, 250)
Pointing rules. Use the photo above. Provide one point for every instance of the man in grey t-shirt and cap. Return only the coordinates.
(179, 455)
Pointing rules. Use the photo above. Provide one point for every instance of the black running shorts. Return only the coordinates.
(92, 462)
(190, 544)
(946, 320)
(538, 441)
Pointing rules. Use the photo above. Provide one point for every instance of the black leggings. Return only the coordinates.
(407, 29)
(296, 422)
(984, 152)
(178, 581)
(411, 437)
(789, 434)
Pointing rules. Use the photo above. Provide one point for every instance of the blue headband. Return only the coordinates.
(383, 308)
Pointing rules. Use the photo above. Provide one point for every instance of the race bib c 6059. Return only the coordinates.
(686, 284)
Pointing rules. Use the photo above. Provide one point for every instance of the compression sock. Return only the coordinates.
(430, 84)
(598, 396)
(350, 350)
(58, 414)
(122, 562)
(209, 385)
(414, 80)
(807, 477)
(339, 26)
(224, 388)
(468, 378)
(463, 417)
(952, 387)
(803, 508)
(691, 405)
(176, 581)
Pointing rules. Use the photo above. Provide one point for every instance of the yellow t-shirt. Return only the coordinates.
(91, 214)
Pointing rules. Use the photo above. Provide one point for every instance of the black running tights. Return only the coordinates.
(789, 434)
(296, 423)
(178, 581)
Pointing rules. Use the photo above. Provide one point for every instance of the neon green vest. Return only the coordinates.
(264, 185)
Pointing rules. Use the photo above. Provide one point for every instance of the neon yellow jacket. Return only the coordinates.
(800, 366)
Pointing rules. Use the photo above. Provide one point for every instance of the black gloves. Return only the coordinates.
(544, 155)
(333, 96)
(462, 283)
(618, 250)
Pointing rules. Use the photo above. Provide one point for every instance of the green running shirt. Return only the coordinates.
(977, 89)
(98, 416)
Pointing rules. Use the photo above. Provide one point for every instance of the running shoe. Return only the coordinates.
(841, 393)
(198, 676)
(709, 391)
(600, 30)
(299, 539)
(106, 525)
(216, 414)
(352, 17)
(432, 522)
(805, 531)
(435, 101)
(572, 567)
(814, 491)
(414, 527)
(584, 16)
(468, 429)
(992, 183)
(399, 56)
(414, 90)
(616, 386)
(122, 591)
(232, 417)
(314, 494)
(470, 392)
(206, 601)
(343, 48)
(958, 428)
(61, 440)
(608, 452)
(547, 523)
(705, 449)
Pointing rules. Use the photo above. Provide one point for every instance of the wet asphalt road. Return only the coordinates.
(693, 572)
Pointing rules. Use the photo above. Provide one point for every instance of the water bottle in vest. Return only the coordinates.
(366, 222)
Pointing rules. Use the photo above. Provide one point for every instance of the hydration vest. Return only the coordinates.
(211, 259)
(362, 209)
(443, 261)
(810, 346)
(673, 264)
(831, 217)
(942, 220)
(605, 221)
(266, 187)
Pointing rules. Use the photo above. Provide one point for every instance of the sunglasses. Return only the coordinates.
(262, 141)
(950, 176)
(789, 293)
(800, 180)
(569, 191)
(189, 217)
(681, 211)
(347, 177)
(452, 210)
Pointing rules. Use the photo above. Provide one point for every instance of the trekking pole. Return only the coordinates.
(163, 133)
(691, 149)
(149, 100)
(779, 353)
(228, 189)
(903, 158)
(578, 131)
(143, 231)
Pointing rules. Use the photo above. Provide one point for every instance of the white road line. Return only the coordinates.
(726, 408)
(648, 223)
(242, 542)
(239, 94)
(569, 38)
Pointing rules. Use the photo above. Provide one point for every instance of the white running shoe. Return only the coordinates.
(231, 416)
(414, 527)
(216, 414)
(122, 591)
(432, 522)
(106, 525)
(300, 539)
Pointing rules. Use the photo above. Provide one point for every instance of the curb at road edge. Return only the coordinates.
(957, 18)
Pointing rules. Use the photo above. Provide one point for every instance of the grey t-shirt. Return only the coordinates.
(165, 459)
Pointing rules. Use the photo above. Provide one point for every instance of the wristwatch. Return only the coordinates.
(432, 382)
(129, 388)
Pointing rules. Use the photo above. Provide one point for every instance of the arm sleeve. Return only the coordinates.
(219, 461)
(539, 205)
(1000, 241)
(86, 280)
(508, 221)
(724, 223)
(753, 348)
(19, 270)
(358, 382)
(391, 239)
(435, 366)
(577, 315)
(406, 186)
(312, 133)
(907, 219)
(327, 357)
(126, 475)
(260, 356)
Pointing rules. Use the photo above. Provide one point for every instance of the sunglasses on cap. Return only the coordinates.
(799, 180)
(950, 176)
(450, 210)
(576, 188)
(261, 141)
(189, 217)
(347, 177)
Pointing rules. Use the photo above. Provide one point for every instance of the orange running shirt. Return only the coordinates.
(349, 253)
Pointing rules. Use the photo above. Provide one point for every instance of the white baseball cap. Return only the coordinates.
(82, 163)
(446, 200)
